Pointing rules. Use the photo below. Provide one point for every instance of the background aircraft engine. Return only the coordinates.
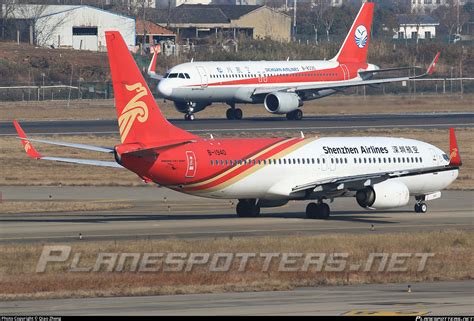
(183, 107)
(387, 194)
(282, 102)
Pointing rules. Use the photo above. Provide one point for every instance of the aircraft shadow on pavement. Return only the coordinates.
(100, 218)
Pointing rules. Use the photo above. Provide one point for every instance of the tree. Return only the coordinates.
(451, 17)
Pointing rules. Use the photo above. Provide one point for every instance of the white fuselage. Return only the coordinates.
(236, 81)
(322, 159)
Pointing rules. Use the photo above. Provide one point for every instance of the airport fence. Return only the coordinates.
(104, 90)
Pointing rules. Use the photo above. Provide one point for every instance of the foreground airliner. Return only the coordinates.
(379, 172)
(282, 86)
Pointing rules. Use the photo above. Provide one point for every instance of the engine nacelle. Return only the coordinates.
(183, 107)
(387, 194)
(281, 102)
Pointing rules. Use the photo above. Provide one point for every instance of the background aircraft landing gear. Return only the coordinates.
(234, 113)
(189, 117)
(295, 115)
(247, 208)
(318, 211)
(421, 207)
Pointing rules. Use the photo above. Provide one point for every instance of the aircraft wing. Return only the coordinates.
(33, 153)
(346, 84)
(355, 182)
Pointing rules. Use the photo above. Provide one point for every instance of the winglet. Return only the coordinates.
(432, 66)
(152, 67)
(454, 157)
(29, 149)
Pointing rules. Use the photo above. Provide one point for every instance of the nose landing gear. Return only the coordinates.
(421, 207)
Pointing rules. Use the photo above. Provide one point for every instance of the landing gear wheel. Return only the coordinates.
(189, 117)
(298, 114)
(230, 114)
(247, 208)
(295, 115)
(318, 211)
(421, 208)
(312, 210)
(325, 211)
(238, 114)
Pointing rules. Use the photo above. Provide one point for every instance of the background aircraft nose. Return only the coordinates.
(164, 88)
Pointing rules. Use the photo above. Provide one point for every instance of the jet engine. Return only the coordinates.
(387, 194)
(282, 102)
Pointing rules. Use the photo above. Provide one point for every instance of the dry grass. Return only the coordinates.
(14, 207)
(453, 260)
(338, 104)
(20, 170)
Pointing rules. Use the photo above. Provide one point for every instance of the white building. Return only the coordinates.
(419, 26)
(80, 27)
(430, 5)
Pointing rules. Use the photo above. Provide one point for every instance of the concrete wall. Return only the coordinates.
(266, 23)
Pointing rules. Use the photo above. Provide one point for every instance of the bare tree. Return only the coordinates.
(6, 8)
(451, 17)
(42, 26)
(328, 15)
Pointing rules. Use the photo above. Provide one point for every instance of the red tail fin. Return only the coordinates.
(354, 48)
(139, 117)
(454, 157)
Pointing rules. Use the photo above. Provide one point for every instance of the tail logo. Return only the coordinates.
(135, 109)
(454, 153)
(27, 146)
(361, 36)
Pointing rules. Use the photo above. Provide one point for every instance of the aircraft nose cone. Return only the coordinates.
(164, 88)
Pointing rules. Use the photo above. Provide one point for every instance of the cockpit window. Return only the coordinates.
(446, 158)
(187, 76)
(166, 75)
(181, 75)
(173, 76)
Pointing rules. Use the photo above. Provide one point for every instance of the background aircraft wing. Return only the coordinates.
(346, 84)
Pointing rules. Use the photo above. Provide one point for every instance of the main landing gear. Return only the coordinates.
(295, 115)
(421, 207)
(234, 113)
(247, 208)
(318, 210)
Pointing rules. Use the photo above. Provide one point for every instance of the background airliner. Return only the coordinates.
(282, 86)
(379, 172)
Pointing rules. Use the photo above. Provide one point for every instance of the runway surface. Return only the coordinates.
(319, 123)
(441, 298)
(159, 213)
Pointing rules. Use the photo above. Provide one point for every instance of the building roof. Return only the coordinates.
(416, 19)
(35, 11)
(151, 28)
(204, 14)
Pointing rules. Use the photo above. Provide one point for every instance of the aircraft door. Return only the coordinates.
(324, 165)
(204, 78)
(191, 164)
(434, 156)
